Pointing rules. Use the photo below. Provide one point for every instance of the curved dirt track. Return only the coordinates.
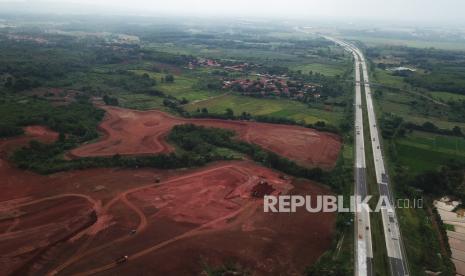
(130, 132)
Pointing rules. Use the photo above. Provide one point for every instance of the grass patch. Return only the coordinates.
(419, 159)
(388, 79)
(182, 87)
(348, 152)
(141, 101)
(451, 145)
(449, 227)
(434, 150)
(250, 54)
(421, 242)
(328, 69)
(400, 104)
(446, 96)
(269, 107)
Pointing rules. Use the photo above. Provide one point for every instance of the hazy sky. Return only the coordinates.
(449, 11)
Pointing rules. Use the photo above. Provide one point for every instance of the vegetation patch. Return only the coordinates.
(79, 119)
(181, 87)
(269, 107)
(328, 69)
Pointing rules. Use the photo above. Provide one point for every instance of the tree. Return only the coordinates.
(229, 113)
(245, 116)
(457, 131)
(62, 137)
(320, 124)
(110, 100)
(8, 131)
(169, 78)
(24, 84)
(428, 126)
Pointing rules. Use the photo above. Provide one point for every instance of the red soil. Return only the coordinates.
(34, 228)
(263, 243)
(202, 197)
(81, 221)
(129, 132)
(38, 133)
(208, 215)
(42, 133)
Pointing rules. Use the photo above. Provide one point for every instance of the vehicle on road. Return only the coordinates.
(122, 259)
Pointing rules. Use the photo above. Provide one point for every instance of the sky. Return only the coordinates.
(447, 11)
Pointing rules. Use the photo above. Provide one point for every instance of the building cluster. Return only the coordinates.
(272, 85)
(211, 63)
(262, 84)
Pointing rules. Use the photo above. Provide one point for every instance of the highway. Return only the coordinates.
(363, 247)
(392, 235)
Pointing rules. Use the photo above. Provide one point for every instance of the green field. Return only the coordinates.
(436, 142)
(141, 101)
(422, 151)
(385, 78)
(329, 69)
(182, 87)
(271, 107)
(446, 96)
(348, 152)
(399, 103)
(222, 53)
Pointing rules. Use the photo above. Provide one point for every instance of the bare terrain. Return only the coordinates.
(80, 222)
(130, 132)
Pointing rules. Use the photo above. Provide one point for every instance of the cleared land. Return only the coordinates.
(129, 132)
(82, 221)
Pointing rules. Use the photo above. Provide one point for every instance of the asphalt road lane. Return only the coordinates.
(393, 239)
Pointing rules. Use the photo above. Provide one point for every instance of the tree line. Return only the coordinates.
(198, 146)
